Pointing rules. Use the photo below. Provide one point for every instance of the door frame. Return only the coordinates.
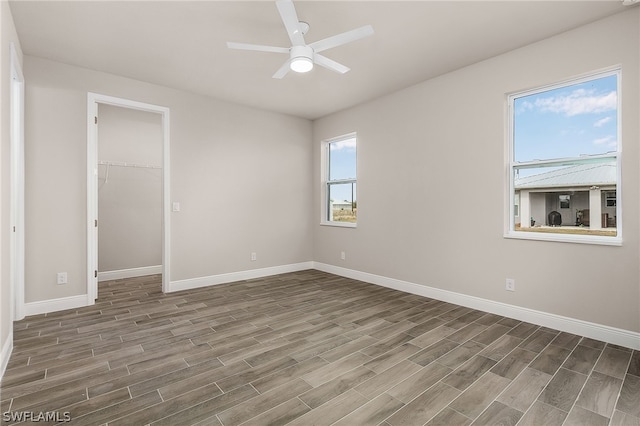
(93, 100)
(17, 231)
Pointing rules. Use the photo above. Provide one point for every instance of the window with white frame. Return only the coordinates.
(564, 161)
(340, 202)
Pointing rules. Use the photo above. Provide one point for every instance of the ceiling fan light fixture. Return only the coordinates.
(301, 59)
(301, 64)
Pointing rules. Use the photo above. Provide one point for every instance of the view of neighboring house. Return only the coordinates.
(583, 194)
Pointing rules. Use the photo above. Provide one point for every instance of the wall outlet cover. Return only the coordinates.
(510, 284)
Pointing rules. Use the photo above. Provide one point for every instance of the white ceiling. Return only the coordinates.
(182, 44)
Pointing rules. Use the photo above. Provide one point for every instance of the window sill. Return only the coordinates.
(340, 224)
(565, 238)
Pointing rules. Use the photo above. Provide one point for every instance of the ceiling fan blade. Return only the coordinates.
(291, 23)
(340, 39)
(282, 71)
(330, 64)
(258, 47)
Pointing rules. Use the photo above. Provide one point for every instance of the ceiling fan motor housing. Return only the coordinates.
(301, 58)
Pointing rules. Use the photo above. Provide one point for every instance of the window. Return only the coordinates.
(340, 204)
(564, 161)
(611, 199)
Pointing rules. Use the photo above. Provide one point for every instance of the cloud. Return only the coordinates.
(609, 141)
(343, 144)
(602, 122)
(525, 106)
(580, 101)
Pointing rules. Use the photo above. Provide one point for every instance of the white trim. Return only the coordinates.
(565, 238)
(199, 282)
(340, 224)
(16, 230)
(129, 273)
(93, 99)
(5, 354)
(54, 305)
(601, 332)
(92, 199)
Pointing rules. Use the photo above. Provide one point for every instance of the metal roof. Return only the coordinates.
(572, 176)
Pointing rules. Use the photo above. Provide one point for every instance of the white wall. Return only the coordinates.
(129, 198)
(425, 147)
(221, 154)
(7, 36)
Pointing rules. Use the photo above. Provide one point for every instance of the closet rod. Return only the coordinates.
(123, 164)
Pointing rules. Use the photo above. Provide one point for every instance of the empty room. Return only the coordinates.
(320, 212)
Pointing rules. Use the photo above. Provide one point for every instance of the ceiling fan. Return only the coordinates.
(302, 56)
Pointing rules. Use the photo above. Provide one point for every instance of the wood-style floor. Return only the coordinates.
(308, 348)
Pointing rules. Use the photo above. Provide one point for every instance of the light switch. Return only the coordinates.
(176, 207)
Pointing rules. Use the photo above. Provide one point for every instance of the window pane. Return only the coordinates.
(571, 121)
(342, 159)
(342, 202)
(578, 198)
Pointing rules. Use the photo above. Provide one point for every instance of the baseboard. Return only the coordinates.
(7, 348)
(601, 332)
(129, 273)
(192, 283)
(53, 305)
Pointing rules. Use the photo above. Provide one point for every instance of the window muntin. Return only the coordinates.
(565, 159)
(340, 187)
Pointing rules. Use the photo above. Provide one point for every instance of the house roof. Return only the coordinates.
(582, 175)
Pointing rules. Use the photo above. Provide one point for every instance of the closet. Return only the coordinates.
(129, 192)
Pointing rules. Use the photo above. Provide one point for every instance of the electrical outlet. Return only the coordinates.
(343, 255)
(254, 256)
(62, 277)
(510, 284)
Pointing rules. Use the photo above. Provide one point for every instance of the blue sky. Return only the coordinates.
(575, 120)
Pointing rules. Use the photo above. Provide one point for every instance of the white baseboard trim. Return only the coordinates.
(129, 273)
(53, 305)
(192, 283)
(7, 348)
(601, 332)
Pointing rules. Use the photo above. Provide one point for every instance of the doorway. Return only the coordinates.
(129, 193)
(118, 157)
